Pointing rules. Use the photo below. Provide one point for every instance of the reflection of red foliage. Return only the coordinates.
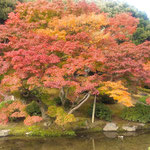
(148, 101)
(31, 120)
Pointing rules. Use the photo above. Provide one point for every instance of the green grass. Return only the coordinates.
(143, 99)
(40, 131)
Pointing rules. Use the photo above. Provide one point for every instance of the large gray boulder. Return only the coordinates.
(130, 128)
(4, 133)
(110, 127)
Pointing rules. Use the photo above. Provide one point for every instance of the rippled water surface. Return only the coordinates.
(99, 141)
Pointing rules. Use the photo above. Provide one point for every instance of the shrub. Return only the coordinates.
(106, 99)
(67, 104)
(30, 120)
(45, 97)
(4, 103)
(138, 113)
(143, 99)
(69, 118)
(52, 111)
(16, 111)
(12, 112)
(57, 100)
(101, 112)
(60, 115)
(33, 109)
(64, 119)
(60, 112)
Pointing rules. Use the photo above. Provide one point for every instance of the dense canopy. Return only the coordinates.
(73, 47)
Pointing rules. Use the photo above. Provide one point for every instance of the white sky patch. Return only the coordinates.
(142, 5)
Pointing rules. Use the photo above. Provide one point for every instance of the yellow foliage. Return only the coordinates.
(37, 11)
(117, 91)
(69, 118)
(92, 24)
(63, 118)
(59, 34)
(147, 66)
(59, 120)
(98, 36)
(76, 23)
(52, 111)
(60, 112)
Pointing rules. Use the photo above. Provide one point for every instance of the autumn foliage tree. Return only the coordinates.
(72, 47)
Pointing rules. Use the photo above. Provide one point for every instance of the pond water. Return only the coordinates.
(97, 141)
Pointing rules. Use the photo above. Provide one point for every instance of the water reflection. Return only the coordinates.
(89, 142)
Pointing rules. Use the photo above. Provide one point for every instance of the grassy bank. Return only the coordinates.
(19, 129)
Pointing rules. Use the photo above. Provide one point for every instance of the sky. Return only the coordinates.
(142, 5)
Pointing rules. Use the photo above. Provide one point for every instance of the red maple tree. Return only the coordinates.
(74, 48)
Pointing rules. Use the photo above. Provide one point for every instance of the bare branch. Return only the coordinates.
(80, 104)
(82, 98)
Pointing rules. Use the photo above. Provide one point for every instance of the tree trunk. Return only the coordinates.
(62, 96)
(93, 113)
(43, 109)
(80, 104)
